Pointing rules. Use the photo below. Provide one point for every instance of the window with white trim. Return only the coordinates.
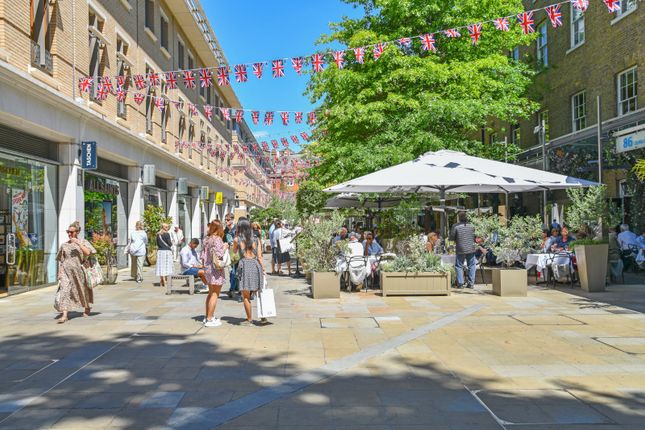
(122, 69)
(626, 6)
(41, 37)
(579, 111)
(150, 95)
(542, 49)
(96, 49)
(515, 134)
(577, 27)
(627, 91)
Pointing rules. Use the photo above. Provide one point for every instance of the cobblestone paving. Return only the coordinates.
(556, 359)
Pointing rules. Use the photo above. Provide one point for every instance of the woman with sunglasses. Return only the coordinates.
(73, 292)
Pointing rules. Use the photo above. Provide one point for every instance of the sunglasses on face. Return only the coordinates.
(71, 231)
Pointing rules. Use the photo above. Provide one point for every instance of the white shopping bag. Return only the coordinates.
(266, 303)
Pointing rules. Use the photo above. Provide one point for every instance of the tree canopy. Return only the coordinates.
(408, 102)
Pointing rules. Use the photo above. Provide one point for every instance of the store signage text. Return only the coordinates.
(88, 155)
(100, 186)
(219, 198)
(630, 142)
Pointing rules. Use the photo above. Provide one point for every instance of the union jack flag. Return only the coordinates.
(378, 50)
(178, 105)
(297, 64)
(581, 5)
(208, 111)
(265, 146)
(192, 109)
(502, 24)
(339, 59)
(85, 84)
(612, 5)
(257, 69)
(317, 62)
(205, 78)
(278, 68)
(121, 94)
(171, 80)
(160, 103)
(526, 22)
(240, 73)
(359, 53)
(107, 83)
(223, 78)
(120, 81)
(405, 42)
(268, 118)
(428, 42)
(554, 15)
(189, 79)
(275, 144)
(475, 31)
(295, 140)
(298, 117)
(452, 32)
(138, 98)
(304, 135)
(285, 142)
(256, 148)
(139, 82)
(153, 79)
(311, 118)
(226, 113)
(239, 115)
(255, 116)
(102, 92)
(285, 118)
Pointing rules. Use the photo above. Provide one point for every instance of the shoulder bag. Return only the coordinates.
(221, 263)
(93, 272)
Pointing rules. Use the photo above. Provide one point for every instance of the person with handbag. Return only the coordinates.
(215, 258)
(279, 236)
(250, 269)
(73, 290)
(137, 250)
(165, 263)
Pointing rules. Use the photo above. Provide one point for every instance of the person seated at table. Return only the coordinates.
(190, 264)
(545, 241)
(563, 242)
(626, 238)
(342, 235)
(553, 239)
(481, 249)
(433, 244)
(640, 242)
(371, 246)
(614, 256)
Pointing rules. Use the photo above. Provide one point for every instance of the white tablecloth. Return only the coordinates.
(541, 261)
(447, 259)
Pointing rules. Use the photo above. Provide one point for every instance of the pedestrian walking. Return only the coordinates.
(274, 246)
(229, 235)
(213, 249)
(137, 248)
(164, 254)
(177, 239)
(250, 270)
(463, 234)
(283, 255)
(73, 291)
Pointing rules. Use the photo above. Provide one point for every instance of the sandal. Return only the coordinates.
(62, 320)
(87, 312)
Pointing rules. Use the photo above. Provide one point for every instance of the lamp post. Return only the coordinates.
(540, 131)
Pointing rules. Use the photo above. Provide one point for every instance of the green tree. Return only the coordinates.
(391, 110)
(310, 198)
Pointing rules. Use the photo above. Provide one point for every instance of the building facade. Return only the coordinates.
(596, 56)
(145, 156)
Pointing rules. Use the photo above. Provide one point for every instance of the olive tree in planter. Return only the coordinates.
(318, 254)
(415, 271)
(586, 213)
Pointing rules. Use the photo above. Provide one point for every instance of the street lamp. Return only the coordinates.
(540, 131)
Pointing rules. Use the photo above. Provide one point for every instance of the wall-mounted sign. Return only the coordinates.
(219, 198)
(630, 142)
(149, 175)
(88, 155)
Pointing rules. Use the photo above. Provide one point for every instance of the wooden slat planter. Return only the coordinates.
(419, 284)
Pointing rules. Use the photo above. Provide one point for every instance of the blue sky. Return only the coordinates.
(260, 30)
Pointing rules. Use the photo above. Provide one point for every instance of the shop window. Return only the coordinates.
(96, 48)
(542, 49)
(41, 36)
(579, 111)
(123, 69)
(544, 116)
(150, 15)
(577, 27)
(515, 134)
(627, 91)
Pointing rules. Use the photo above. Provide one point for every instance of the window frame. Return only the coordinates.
(582, 119)
(96, 46)
(634, 98)
(122, 69)
(542, 53)
(150, 109)
(516, 135)
(576, 17)
(149, 15)
(163, 18)
(181, 53)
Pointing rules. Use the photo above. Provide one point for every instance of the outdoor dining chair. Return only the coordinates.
(561, 266)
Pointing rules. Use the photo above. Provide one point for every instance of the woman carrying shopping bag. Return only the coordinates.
(250, 269)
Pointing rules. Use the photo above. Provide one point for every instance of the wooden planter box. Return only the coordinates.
(592, 266)
(325, 285)
(421, 284)
(509, 282)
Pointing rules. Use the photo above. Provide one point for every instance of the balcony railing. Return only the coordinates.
(41, 58)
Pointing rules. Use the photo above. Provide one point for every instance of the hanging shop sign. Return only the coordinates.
(88, 155)
(630, 142)
(219, 198)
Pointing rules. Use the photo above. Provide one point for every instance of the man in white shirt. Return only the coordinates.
(626, 238)
(177, 239)
(190, 264)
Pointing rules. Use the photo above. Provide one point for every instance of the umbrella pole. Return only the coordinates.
(442, 204)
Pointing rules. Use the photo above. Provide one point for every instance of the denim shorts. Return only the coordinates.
(193, 271)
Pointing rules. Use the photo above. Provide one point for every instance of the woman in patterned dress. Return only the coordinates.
(250, 269)
(73, 291)
(165, 263)
(213, 247)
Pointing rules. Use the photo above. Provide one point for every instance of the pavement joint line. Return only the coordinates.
(190, 417)
(26, 402)
(54, 361)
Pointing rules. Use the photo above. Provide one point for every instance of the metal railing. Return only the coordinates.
(41, 58)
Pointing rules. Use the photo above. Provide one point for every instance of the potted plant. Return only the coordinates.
(153, 218)
(585, 214)
(317, 252)
(104, 246)
(510, 242)
(415, 271)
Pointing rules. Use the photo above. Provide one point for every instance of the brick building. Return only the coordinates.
(45, 47)
(593, 54)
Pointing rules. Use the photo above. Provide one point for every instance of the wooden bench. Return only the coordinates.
(180, 283)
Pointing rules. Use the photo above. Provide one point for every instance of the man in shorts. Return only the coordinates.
(190, 264)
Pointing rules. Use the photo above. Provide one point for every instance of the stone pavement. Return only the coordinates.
(555, 359)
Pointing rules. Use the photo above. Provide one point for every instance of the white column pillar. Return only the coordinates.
(196, 222)
(173, 205)
(70, 187)
(135, 196)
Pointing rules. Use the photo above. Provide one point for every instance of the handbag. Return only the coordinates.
(285, 245)
(221, 263)
(93, 273)
(266, 304)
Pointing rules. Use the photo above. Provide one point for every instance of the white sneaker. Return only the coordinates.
(215, 322)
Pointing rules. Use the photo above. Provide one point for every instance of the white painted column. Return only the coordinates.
(196, 222)
(135, 196)
(173, 205)
(70, 189)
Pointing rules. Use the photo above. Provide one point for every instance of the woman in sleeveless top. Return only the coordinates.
(213, 248)
(250, 269)
(164, 254)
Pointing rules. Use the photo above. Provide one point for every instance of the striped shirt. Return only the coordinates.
(464, 236)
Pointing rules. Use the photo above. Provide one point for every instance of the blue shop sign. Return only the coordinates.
(630, 142)
(88, 155)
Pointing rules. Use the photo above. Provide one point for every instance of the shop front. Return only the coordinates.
(28, 223)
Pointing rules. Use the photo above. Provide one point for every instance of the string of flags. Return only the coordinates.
(205, 78)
